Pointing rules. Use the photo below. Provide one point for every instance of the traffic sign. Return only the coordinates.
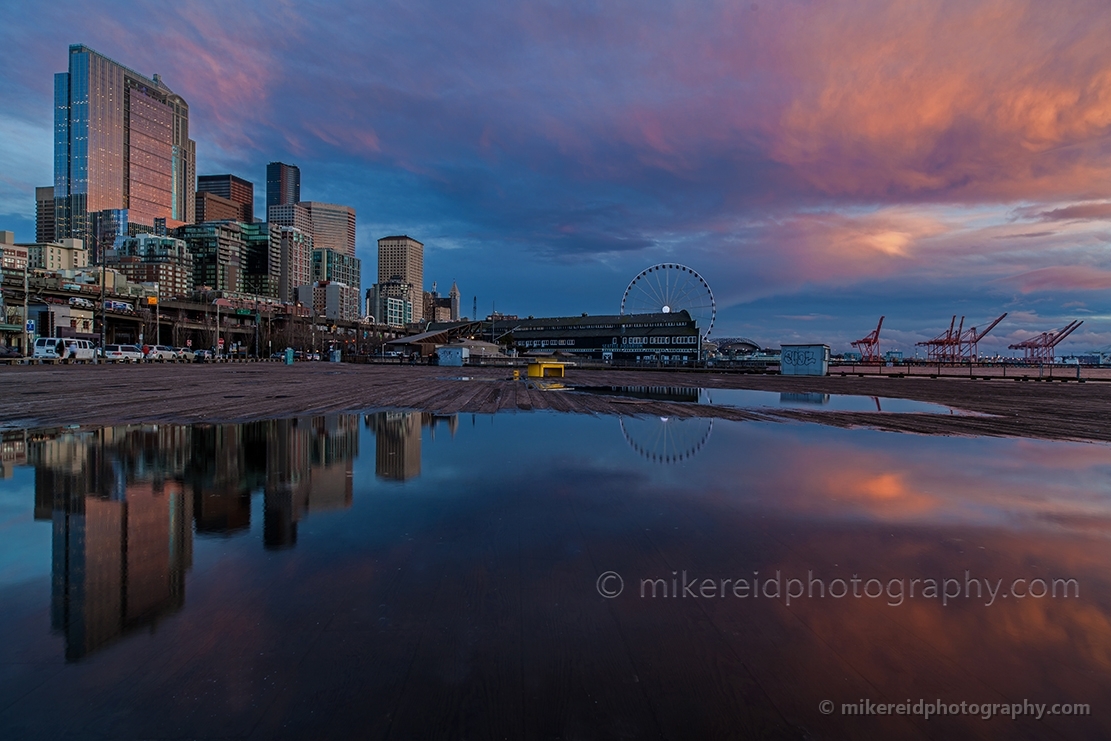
(221, 342)
(31, 326)
(189, 343)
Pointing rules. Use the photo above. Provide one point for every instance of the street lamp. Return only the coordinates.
(157, 315)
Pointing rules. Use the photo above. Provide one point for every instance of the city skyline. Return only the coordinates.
(821, 166)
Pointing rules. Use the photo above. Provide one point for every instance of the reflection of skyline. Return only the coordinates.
(125, 502)
(13, 451)
(397, 441)
(434, 589)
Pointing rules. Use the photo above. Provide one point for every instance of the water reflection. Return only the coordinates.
(460, 565)
(666, 439)
(750, 399)
(397, 441)
(126, 501)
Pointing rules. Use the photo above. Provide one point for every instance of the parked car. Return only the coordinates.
(161, 353)
(202, 355)
(6, 353)
(186, 354)
(122, 353)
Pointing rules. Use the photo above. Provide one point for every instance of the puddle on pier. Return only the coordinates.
(358, 575)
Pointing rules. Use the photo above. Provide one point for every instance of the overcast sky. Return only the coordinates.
(820, 163)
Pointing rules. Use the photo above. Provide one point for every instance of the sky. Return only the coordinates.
(820, 163)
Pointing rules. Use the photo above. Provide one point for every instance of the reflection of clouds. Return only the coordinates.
(893, 478)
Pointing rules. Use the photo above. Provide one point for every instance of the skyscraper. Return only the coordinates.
(296, 262)
(211, 207)
(401, 258)
(121, 142)
(283, 184)
(234, 189)
(44, 214)
(333, 226)
(292, 215)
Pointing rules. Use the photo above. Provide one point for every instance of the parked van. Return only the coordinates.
(81, 350)
(49, 348)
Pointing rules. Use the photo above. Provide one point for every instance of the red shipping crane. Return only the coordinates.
(1040, 348)
(869, 346)
(967, 343)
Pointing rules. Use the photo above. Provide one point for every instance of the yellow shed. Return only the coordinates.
(545, 369)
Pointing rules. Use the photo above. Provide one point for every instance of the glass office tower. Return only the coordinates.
(283, 184)
(121, 142)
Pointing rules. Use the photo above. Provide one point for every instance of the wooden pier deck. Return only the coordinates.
(98, 394)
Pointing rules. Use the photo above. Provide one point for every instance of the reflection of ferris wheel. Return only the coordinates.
(666, 439)
(669, 288)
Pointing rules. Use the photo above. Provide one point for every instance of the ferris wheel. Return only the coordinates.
(666, 439)
(669, 288)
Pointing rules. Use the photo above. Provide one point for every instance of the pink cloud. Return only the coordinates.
(1062, 278)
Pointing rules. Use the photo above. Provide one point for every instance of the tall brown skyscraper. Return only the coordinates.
(402, 257)
(235, 189)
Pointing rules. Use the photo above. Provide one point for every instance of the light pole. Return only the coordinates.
(26, 333)
(157, 315)
(256, 323)
(103, 313)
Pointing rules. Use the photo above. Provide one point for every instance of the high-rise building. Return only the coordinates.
(147, 258)
(401, 259)
(290, 214)
(235, 189)
(44, 214)
(219, 260)
(332, 300)
(332, 265)
(296, 262)
(389, 303)
(121, 143)
(211, 207)
(283, 184)
(333, 226)
(262, 244)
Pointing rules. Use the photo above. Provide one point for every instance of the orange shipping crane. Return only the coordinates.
(945, 347)
(870, 346)
(1040, 348)
(967, 342)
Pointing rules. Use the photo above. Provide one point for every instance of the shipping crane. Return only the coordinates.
(945, 347)
(967, 342)
(1040, 348)
(869, 346)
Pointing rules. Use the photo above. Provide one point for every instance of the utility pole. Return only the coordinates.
(157, 315)
(25, 347)
(103, 295)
